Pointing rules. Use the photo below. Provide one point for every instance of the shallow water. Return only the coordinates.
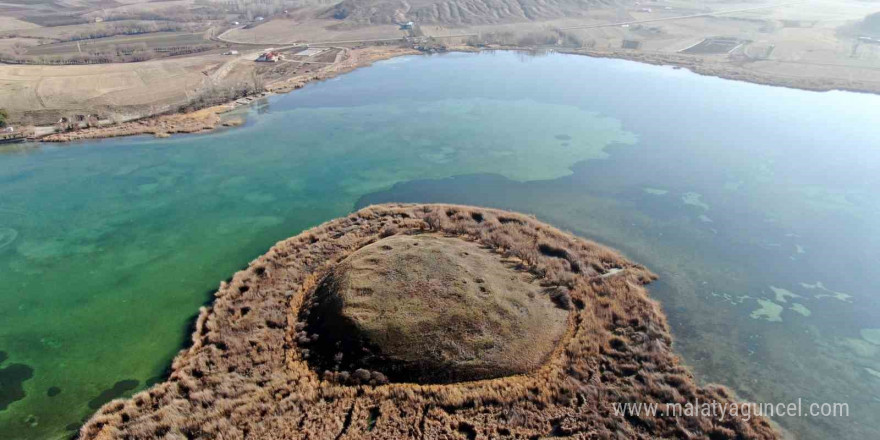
(758, 207)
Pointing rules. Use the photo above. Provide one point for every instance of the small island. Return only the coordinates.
(427, 321)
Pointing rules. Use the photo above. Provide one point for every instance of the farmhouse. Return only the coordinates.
(269, 57)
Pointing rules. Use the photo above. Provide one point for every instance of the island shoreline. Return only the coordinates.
(216, 351)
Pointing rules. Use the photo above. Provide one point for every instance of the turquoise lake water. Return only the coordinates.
(759, 207)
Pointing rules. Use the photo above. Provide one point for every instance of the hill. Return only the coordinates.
(459, 12)
(428, 308)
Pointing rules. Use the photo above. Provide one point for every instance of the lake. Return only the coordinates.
(759, 207)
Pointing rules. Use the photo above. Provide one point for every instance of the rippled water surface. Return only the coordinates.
(757, 206)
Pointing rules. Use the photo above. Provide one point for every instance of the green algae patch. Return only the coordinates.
(782, 294)
(694, 199)
(828, 293)
(517, 139)
(656, 191)
(860, 347)
(871, 335)
(769, 311)
(802, 309)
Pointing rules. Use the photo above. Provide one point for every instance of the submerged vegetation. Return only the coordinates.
(247, 374)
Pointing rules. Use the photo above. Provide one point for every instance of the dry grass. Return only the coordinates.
(426, 308)
(310, 29)
(244, 376)
(12, 24)
(161, 126)
(43, 94)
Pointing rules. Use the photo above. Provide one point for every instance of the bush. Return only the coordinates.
(4, 116)
(219, 95)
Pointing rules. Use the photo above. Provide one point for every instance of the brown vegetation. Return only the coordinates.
(124, 53)
(245, 377)
(130, 28)
(426, 308)
(542, 38)
(349, 59)
(160, 126)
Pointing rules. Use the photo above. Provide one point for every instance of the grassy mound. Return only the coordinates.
(426, 308)
(247, 375)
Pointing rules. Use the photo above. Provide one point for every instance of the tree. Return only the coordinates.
(4, 116)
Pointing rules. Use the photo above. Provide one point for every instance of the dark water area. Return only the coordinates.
(119, 389)
(757, 206)
(12, 378)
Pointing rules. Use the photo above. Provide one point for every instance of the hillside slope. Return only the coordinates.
(453, 12)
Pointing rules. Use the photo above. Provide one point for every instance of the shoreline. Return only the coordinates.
(729, 71)
(209, 118)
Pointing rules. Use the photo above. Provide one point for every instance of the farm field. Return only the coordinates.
(12, 24)
(123, 91)
(286, 31)
(159, 40)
